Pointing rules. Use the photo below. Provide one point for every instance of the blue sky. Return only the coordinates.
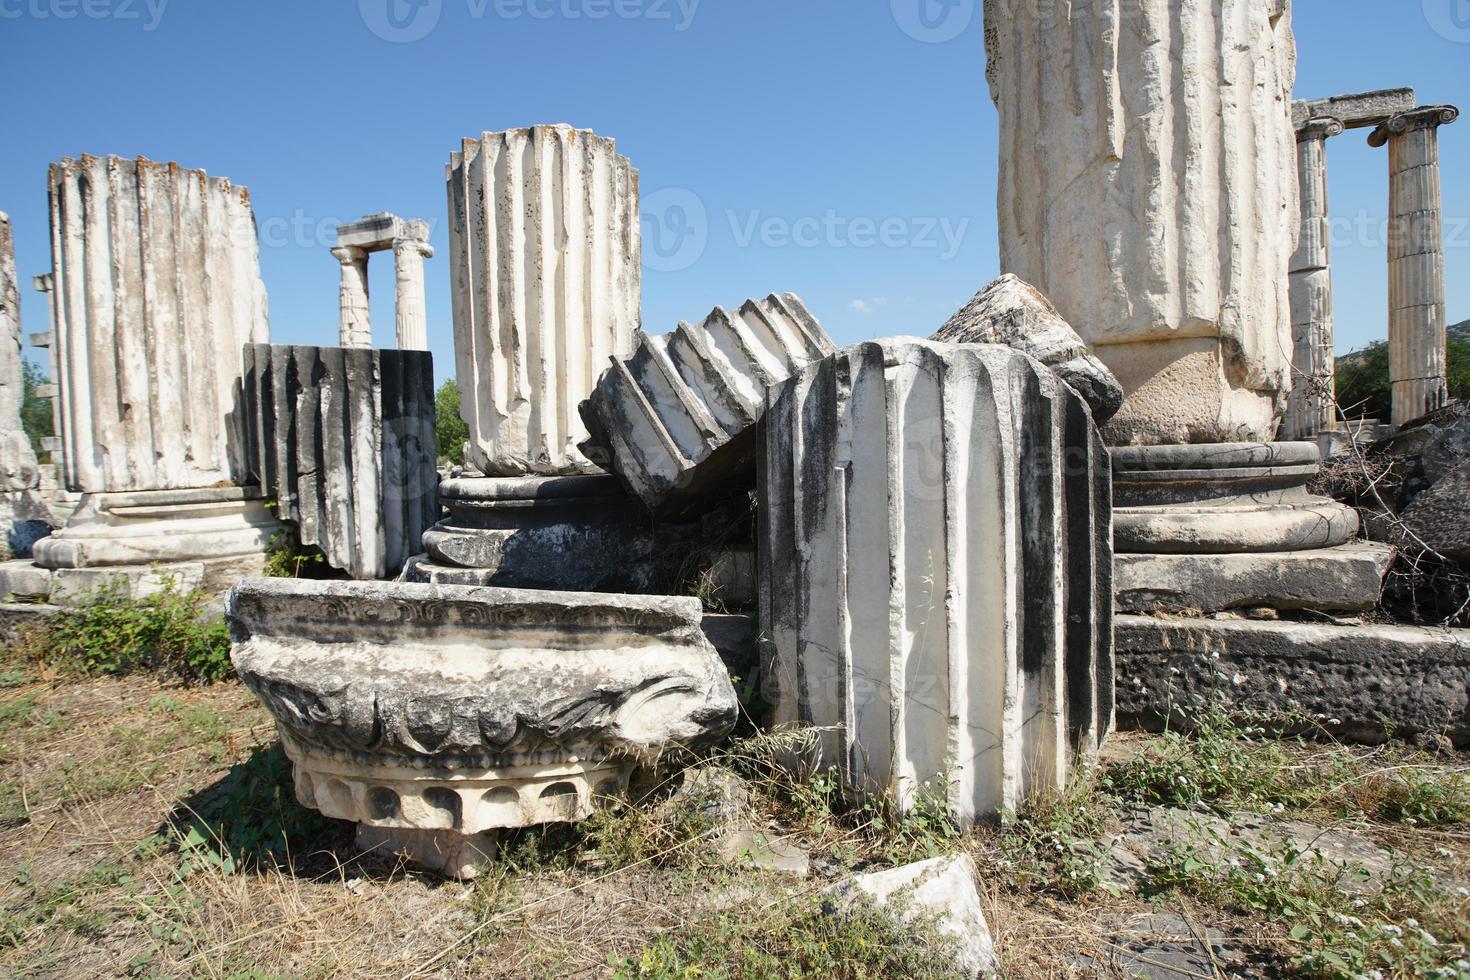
(841, 149)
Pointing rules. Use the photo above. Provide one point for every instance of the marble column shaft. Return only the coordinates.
(412, 307)
(357, 318)
(157, 290)
(546, 257)
(1310, 408)
(18, 465)
(1147, 187)
(1416, 288)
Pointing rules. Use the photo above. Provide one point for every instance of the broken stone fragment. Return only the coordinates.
(941, 891)
(347, 448)
(676, 421)
(1014, 313)
(435, 711)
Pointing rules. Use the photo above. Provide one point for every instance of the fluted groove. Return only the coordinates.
(157, 289)
(676, 420)
(347, 446)
(546, 262)
(936, 588)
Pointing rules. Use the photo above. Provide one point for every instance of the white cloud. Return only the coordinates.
(867, 307)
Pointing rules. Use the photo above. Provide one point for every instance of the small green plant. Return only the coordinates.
(792, 940)
(287, 559)
(1421, 797)
(1338, 930)
(1051, 845)
(112, 633)
(248, 819)
(1225, 760)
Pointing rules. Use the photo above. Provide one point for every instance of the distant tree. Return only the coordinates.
(451, 428)
(35, 411)
(1363, 389)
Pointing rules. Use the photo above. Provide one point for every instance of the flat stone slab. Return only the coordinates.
(1365, 677)
(1343, 579)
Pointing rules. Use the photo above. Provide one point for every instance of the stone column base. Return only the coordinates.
(575, 533)
(205, 538)
(1210, 527)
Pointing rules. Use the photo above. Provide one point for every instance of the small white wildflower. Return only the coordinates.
(1427, 939)
(1412, 923)
(1392, 930)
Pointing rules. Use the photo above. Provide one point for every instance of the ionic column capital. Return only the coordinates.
(1319, 128)
(401, 245)
(350, 254)
(1424, 117)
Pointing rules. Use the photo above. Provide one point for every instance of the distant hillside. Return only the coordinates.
(1458, 331)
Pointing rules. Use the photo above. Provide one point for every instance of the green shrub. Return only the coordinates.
(112, 633)
(287, 559)
(450, 427)
(36, 417)
(1363, 389)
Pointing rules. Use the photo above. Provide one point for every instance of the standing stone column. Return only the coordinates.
(1147, 186)
(546, 262)
(157, 292)
(413, 314)
(357, 318)
(1416, 300)
(18, 465)
(1311, 409)
(24, 516)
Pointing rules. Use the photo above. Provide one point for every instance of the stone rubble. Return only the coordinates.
(936, 572)
(1014, 313)
(676, 421)
(347, 447)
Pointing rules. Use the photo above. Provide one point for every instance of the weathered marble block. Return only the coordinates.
(434, 716)
(676, 421)
(1014, 313)
(936, 555)
(347, 446)
(546, 259)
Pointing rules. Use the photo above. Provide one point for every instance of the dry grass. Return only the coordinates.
(92, 882)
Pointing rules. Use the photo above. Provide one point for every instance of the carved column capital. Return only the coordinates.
(1319, 128)
(1424, 117)
(350, 254)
